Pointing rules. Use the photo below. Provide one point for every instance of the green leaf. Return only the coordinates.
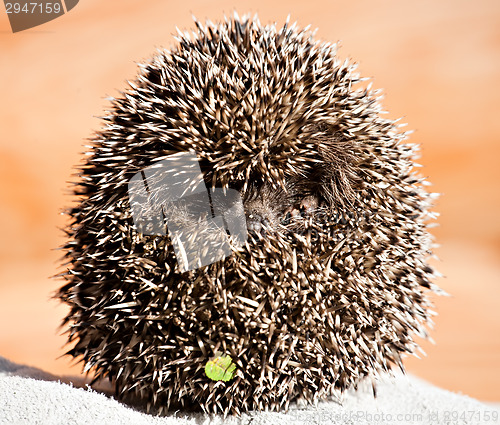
(220, 368)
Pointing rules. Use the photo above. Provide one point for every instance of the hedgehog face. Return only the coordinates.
(323, 179)
(330, 285)
(270, 208)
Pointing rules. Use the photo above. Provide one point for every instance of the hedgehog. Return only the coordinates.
(329, 283)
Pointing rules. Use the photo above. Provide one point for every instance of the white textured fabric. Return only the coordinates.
(30, 396)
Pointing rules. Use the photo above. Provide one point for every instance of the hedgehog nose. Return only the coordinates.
(257, 224)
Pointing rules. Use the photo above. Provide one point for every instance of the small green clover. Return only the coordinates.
(220, 368)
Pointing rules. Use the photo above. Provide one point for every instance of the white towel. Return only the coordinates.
(30, 396)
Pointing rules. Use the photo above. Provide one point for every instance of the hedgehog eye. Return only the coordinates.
(237, 185)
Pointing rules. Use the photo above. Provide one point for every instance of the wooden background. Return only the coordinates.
(438, 63)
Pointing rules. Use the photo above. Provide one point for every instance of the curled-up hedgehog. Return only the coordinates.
(328, 282)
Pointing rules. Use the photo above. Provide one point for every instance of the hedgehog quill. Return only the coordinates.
(331, 282)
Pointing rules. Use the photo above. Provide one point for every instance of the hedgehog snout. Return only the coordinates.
(262, 212)
(257, 223)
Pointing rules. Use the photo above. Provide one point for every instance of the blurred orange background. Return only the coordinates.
(439, 66)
